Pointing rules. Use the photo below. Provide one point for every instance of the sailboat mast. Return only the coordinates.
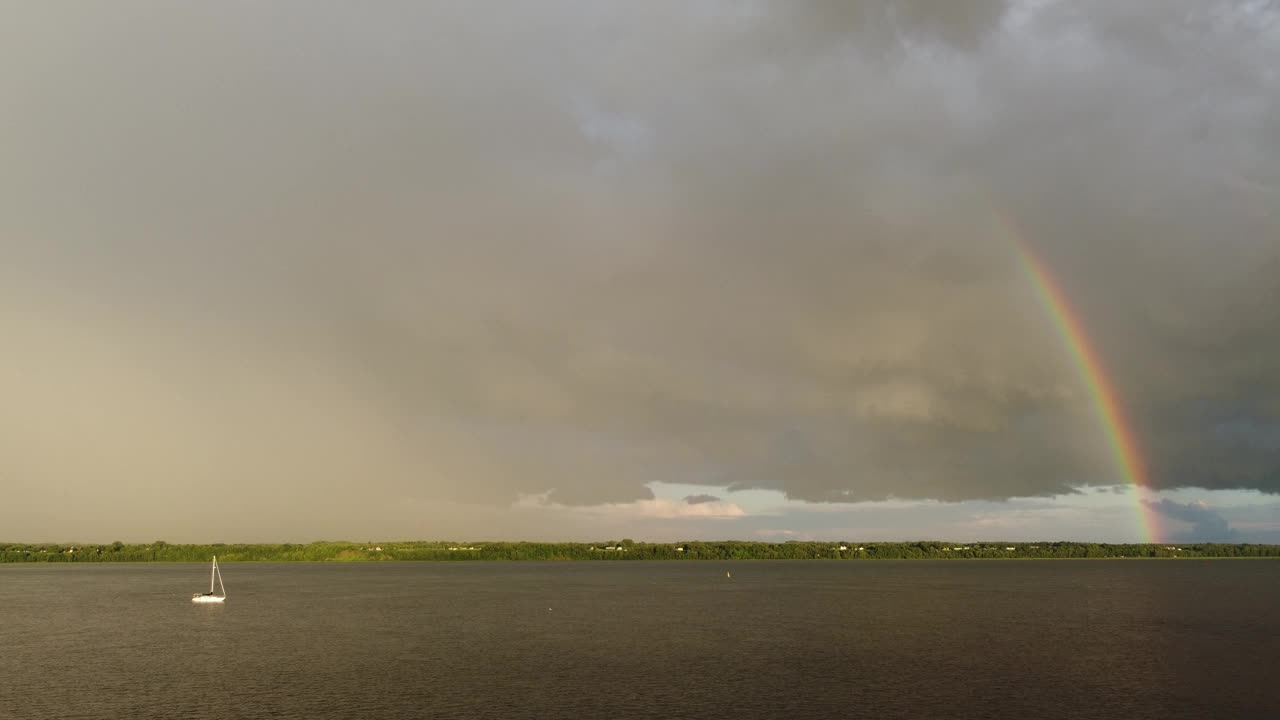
(213, 570)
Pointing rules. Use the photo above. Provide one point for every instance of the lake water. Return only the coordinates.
(958, 639)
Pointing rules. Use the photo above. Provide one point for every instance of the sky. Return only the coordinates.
(579, 270)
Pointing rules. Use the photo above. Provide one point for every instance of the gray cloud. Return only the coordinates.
(700, 499)
(956, 25)
(1207, 525)
(438, 253)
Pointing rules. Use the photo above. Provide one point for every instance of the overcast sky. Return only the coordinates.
(302, 270)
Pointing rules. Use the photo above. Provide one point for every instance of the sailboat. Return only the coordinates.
(209, 597)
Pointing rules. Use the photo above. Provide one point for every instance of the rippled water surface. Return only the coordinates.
(962, 639)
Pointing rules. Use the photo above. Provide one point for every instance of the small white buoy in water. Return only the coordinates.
(726, 574)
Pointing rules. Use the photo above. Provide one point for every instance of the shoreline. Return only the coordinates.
(618, 551)
(645, 560)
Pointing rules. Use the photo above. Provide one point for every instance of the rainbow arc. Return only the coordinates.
(1111, 412)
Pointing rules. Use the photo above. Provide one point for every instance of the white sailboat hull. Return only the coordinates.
(207, 599)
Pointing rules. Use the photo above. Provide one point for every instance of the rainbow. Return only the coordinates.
(1119, 431)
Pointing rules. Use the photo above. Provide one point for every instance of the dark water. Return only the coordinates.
(959, 639)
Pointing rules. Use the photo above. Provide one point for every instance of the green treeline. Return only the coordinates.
(616, 550)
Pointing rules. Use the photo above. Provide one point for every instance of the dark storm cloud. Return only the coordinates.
(442, 252)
